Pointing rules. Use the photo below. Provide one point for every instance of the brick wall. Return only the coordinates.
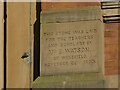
(58, 5)
(111, 49)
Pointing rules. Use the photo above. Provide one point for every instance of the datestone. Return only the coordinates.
(71, 47)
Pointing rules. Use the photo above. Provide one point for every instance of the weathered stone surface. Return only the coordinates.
(73, 47)
(88, 80)
(112, 81)
(71, 14)
(71, 50)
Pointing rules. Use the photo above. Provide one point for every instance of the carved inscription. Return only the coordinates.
(70, 47)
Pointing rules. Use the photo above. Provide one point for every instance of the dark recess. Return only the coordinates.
(37, 42)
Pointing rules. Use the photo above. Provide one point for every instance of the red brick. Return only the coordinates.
(111, 67)
(111, 27)
(111, 33)
(111, 40)
(58, 5)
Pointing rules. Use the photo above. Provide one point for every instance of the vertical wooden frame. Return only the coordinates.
(20, 21)
(1, 45)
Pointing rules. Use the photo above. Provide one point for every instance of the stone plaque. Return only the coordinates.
(71, 47)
